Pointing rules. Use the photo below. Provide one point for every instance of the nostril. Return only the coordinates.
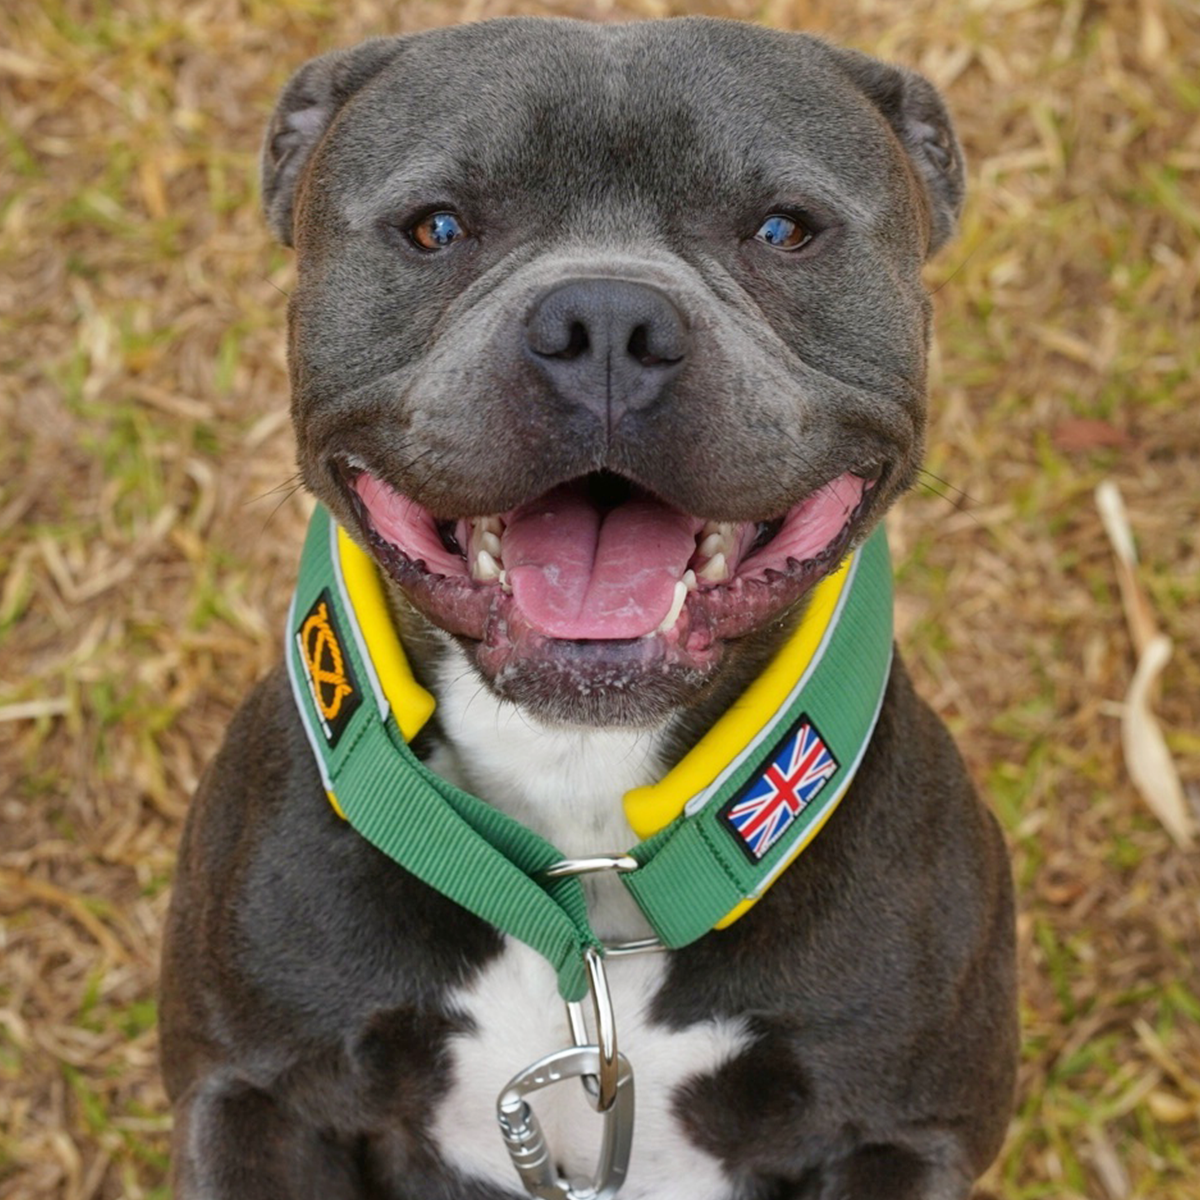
(578, 343)
(558, 339)
(638, 348)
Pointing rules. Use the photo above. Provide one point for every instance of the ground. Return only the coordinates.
(149, 525)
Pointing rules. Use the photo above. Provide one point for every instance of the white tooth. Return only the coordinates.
(485, 567)
(505, 586)
(485, 537)
(720, 537)
(715, 570)
(689, 579)
(668, 622)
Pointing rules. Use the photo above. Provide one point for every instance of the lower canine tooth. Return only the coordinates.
(715, 570)
(491, 543)
(485, 568)
(668, 622)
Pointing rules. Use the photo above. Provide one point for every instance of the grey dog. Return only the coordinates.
(608, 276)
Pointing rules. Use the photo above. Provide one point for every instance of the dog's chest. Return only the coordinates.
(518, 1018)
(568, 785)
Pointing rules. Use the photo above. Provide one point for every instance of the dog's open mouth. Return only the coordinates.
(600, 560)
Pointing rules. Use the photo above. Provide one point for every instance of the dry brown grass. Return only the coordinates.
(148, 532)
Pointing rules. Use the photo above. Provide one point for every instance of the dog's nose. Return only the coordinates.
(608, 345)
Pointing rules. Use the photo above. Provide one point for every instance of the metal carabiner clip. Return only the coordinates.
(526, 1143)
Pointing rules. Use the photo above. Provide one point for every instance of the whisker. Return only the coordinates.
(960, 500)
(299, 487)
(289, 487)
(966, 258)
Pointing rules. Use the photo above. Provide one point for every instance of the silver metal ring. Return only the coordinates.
(602, 1087)
(606, 1028)
(650, 945)
(591, 866)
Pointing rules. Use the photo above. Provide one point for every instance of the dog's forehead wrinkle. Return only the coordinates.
(581, 115)
(641, 199)
(419, 175)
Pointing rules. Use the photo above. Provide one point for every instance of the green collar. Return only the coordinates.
(718, 829)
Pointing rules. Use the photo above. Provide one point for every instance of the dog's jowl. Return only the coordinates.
(589, 837)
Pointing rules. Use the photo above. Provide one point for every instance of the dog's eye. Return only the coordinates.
(437, 231)
(784, 233)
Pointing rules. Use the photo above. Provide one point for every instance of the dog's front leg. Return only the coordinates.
(884, 1172)
(232, 1141)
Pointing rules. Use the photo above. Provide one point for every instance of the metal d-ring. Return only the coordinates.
(649, 945)
(602, 1087)
(591, 866)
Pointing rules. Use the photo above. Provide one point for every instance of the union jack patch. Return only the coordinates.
(761, 811)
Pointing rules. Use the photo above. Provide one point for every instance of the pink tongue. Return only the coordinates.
(578, 572)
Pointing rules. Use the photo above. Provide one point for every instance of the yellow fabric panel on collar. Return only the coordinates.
(410, 703)
(653, 807)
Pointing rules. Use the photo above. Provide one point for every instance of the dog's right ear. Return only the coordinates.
(305, 111)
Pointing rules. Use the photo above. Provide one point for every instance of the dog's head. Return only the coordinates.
(608, 341)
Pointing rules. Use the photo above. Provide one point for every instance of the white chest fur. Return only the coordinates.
(567, 785)
(518, 1019)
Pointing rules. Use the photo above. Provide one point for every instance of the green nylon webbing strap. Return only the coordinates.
(694, 873)
(453, 841)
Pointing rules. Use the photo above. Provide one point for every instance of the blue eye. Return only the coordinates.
(783, 233)
(437, 231)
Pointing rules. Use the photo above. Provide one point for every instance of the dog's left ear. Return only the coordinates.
(915, 111)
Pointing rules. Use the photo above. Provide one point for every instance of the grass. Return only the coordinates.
(148, 530)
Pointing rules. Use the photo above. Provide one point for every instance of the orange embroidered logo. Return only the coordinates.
(326, 666)
(331, 680)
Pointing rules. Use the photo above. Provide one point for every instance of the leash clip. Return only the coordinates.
(607, 1080)
(526, 1142)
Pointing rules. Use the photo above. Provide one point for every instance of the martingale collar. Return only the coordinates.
(718, 829)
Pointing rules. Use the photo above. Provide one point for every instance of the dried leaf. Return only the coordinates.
(1108, 1165)
(1143, 628)
(1169, 1108)
(1086, 433)
(1146, 755)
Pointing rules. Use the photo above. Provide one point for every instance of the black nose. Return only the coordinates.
(607, 345)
